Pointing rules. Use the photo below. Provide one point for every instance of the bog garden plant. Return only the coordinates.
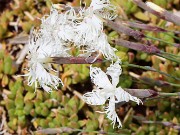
(81, 67)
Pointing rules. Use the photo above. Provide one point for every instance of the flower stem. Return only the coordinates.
(148, 27)
(145, 48)
(137, 46)
(163, 95)
(169, 58)
(172, 36)
(71, 130)
(158, 83)
(161, 40)
(120, 28)
(149, 68)
(170, 55)
(75, 60)
(168, 94)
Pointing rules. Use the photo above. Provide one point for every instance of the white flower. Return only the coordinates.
(89, 31)
(59, 25)
(108, 90)
(59, 31)
(40, 49)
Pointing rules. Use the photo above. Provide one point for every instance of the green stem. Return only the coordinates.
(168, 58)
(150, 69)
(161, 40)
(175, 85)
(172, 36)
(168, 94)
(169, 54)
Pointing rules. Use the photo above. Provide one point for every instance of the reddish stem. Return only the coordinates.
(138, 46)
(76, 60)
(120, 28)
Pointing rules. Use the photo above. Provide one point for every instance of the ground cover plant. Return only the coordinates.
(80, 67)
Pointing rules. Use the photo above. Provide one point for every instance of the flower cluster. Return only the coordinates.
(108, 90)
(81, 29)
(58, 32)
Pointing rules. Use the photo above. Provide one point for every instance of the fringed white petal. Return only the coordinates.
(104, 47)
(51, 19)
(106, 15)
(111, 113)
(88, 30)
(71, 15)
(49, 23)
(46, 88)
(99, 4)
(66, 33)
(37, 73)
(121, 95)
(94, 98)
(100, 79)
(114, 71)
(104, 9)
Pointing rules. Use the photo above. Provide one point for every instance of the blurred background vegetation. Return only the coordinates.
(22, 111)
